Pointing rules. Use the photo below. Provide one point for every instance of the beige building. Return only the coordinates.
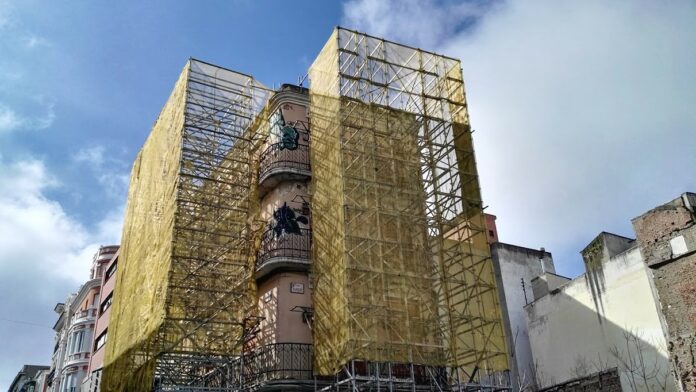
(606, 320)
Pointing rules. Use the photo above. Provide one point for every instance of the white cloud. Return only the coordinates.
(93, 155)
(584, 111)
(421, 22)
(45, 253)
(36, 231)
(11, 120)
(110, 172)
(34, 41)
(5, 15)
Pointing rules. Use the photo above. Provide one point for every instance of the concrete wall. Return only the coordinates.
(607, 317)
(513, 265)
(667, 238)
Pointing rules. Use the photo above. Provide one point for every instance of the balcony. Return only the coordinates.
(289, 250)
(77, 359)
(84, 316)
(280, 361)
(279, 163)
(106, 252)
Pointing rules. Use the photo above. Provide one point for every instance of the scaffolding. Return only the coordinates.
(403, 285)
(185, 276)
(402, 269)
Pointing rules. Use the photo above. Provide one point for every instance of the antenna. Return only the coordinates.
(301, 79)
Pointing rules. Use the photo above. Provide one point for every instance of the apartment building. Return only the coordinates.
(106, 294)
(75, 329)
(309, 238)
(31, 378)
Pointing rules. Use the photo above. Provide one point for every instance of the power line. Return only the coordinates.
(25, 322)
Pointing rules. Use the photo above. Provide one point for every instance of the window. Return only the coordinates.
(69, 382)
(110, 271)
(76, 342)
(95, 300)
(101, 341)
(106, 304)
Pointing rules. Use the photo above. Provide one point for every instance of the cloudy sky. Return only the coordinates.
(584, 113)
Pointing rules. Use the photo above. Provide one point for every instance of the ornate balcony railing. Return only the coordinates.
(278, 158)
(280, 361)
(285, 246)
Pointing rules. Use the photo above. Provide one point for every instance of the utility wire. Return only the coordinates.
(24, 322)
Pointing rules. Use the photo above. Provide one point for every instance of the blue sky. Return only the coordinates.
(81, 83)
(102, 72)
(584, 116)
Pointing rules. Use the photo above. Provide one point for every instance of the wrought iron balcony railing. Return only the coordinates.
(277, 158)
(280, 361)
(287, 246)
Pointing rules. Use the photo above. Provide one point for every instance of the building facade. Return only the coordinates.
(607, 318)
(330, 235)
(516, 268)
(31, 378)
(75, 329)
(106, 293)
(667, 240)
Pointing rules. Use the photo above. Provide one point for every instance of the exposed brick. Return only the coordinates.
(674, 277)
(608, 381)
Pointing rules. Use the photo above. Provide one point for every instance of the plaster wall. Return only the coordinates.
(283, 320)
(293, 193)
(513, 265)
(574, 329)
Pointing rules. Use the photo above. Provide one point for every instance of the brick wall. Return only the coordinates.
(667, 237)
(605, 381)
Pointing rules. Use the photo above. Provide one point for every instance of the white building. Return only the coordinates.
(606, 318)
(515, 268)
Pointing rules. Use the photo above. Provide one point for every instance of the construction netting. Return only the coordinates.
(185, 276)
(402, 269)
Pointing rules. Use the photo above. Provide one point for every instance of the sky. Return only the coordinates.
(584, 116)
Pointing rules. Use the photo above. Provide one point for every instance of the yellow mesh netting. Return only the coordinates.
(402, 268)
(185, 277)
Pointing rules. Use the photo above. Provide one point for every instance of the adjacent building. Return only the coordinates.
(75, 329)
(667, 239)
(516, 268)
(31, 378)
(607, 318)
(106, 294)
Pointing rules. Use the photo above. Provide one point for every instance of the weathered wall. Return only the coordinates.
(607, 381)
(605, 318)
(667, 237)
(514, 264)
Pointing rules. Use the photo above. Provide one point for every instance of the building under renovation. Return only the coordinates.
(321, 238)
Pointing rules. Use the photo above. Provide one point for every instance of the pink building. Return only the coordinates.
(91, 382)
(75, 329)
(284, 291)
